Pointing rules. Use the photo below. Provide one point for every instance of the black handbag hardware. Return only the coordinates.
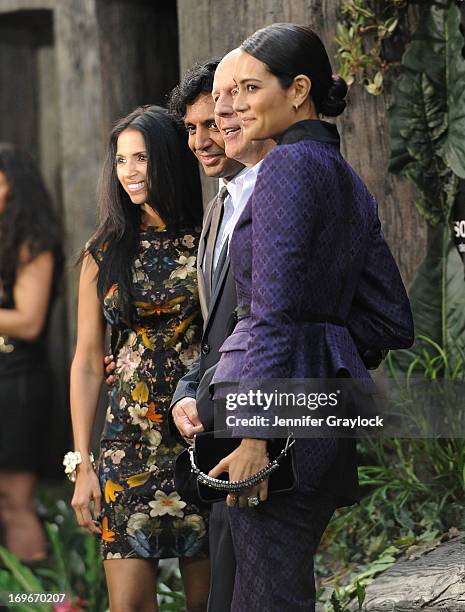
(194, 463)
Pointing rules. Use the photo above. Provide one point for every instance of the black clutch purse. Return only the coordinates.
(193, 464)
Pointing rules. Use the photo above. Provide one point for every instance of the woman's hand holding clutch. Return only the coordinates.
(246, 460)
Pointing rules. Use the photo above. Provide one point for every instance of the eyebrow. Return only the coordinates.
(133, 154)
(242, 81)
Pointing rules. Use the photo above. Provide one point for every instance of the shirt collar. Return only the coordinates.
(310, 129)
(222, 183)
(254, 169)
(235, 185)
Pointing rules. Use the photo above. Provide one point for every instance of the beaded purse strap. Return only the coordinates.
(235, 486)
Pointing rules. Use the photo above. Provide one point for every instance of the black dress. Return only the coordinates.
(25, 397)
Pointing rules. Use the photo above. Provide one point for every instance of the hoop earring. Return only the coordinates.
(295, 107)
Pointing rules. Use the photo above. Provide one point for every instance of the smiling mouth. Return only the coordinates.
(134, 187)
(231, 132)
(209, 160)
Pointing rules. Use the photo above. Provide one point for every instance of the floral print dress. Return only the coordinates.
(142, 513)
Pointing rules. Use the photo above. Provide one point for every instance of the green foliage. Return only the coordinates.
(76, 560)
(427, 120)
(437, 297)
(360, 35)
(17, 578)
(426, 124)
(74, 567)
(413, 492)
(412, 488)
(342, 597)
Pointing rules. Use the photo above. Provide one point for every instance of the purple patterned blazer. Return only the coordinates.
(310, 260)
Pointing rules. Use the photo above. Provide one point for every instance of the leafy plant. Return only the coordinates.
(360, 35)
(412, 488)
(17, 578)
(75, 562)
(426, 124)
(427, 120)
(437, 297)
(74, 567)
(413, 491)
(341, 597)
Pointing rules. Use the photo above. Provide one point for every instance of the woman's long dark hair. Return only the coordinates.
(28, 219)
(174, 189)
(289, 49)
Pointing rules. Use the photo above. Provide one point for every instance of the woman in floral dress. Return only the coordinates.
(139, 270)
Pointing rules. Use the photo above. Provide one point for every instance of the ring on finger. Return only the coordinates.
(253, 501)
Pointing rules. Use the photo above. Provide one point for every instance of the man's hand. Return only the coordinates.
(186, 418)
(110, 367)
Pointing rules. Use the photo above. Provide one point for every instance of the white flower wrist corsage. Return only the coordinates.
(71, 460)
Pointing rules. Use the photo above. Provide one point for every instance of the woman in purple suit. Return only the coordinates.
(319, 294)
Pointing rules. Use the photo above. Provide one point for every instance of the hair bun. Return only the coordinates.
(335, 101)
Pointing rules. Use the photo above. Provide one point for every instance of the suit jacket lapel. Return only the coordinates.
(201, 252)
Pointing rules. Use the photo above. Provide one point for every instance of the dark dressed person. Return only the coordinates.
(139, 277)
(311, 304)
(210, 132)
(30, 262)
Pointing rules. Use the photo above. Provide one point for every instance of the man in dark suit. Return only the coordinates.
(192, 408)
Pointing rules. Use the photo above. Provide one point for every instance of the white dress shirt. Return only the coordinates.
(240, 189)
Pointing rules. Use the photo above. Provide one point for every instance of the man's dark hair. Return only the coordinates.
(197, 80)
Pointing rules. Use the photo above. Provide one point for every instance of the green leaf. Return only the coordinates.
(59, 558)
(164, 590)
(427, 119)
(22, 574)
(391, 24)
(417, 126)
(360, 594)
(427, 50)
(454, 147)
(92, 564)
(437, 298)
(335, 602)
